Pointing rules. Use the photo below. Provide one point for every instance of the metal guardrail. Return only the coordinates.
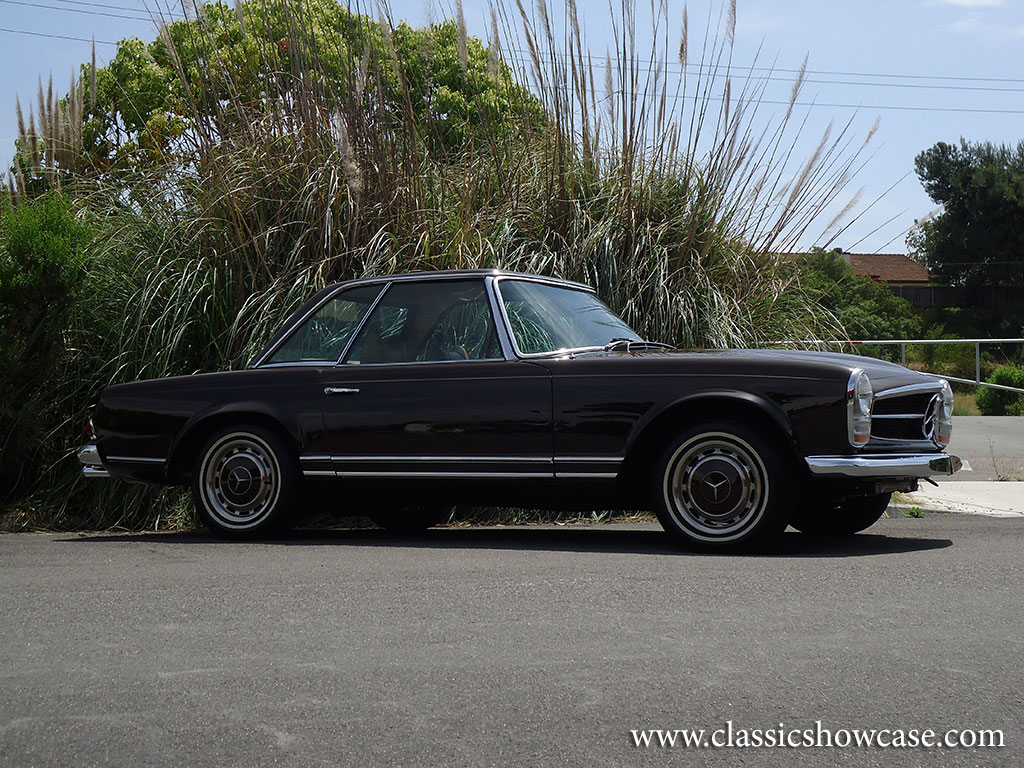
(902, 344)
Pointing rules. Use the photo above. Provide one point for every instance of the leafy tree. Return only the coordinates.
(978, 238)
(212, 73)
(865, 308)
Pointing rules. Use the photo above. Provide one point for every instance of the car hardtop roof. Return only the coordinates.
(446, 274)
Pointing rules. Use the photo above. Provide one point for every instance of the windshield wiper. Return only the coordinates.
(631, 345)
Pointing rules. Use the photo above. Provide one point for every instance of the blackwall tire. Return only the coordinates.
(843, 518)
(723, 486)
(245, 483)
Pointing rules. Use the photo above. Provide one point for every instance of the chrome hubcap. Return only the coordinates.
(716, 486)
(240, 480)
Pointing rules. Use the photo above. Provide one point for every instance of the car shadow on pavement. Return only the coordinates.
(595, 538)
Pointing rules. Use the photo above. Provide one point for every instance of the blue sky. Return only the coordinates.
(971, 48)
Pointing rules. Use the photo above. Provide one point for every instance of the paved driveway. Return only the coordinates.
(506, 647)
(994, 446)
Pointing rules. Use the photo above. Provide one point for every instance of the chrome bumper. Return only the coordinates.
(92, 464)
(885, 465)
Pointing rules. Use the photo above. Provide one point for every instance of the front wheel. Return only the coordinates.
(843, 518)
(722, 485)
(245, 483)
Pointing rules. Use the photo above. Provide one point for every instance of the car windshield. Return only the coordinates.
(546, 318)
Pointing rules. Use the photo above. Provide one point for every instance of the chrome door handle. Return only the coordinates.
(340, 391)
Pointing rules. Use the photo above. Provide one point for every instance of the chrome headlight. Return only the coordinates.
(859, 399)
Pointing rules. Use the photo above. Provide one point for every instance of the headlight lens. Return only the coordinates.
(859, 399)
(944, 416)
(947, 401)
(864, 394)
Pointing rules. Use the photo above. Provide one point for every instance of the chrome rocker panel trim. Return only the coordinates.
(885, 465)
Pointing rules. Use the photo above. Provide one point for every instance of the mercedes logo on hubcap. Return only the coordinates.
(239, 480)
(717, 485)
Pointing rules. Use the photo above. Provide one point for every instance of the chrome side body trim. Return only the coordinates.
(447, 475)
(476, 469)
(884, 465)
(136, 459)
(544, 459)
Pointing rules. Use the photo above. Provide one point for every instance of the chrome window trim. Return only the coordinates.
(488, 275)
(423, 277)
(508, 348)
(300, 364)
(362, 324)
(298, 324)
(356, 366)
(547, 281)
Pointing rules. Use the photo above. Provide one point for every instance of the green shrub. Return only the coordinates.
(999, 402)
(41, 267)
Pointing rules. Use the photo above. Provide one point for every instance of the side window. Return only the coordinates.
(323, 336)
(429, 321)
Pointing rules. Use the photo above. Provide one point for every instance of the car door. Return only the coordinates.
(425, 390)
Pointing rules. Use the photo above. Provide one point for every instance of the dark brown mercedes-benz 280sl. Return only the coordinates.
(414, 392)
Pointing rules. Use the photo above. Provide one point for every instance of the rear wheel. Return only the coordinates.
(245, 483)
(723, 485)
(842, 518)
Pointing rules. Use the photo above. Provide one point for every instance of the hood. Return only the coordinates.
(769, 362)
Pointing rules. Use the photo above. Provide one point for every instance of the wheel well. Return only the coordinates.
(656, 436)
(183, 457)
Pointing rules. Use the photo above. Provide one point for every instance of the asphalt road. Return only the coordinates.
(504, 647)
(994, 446)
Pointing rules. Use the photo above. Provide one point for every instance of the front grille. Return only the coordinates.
(908, 417)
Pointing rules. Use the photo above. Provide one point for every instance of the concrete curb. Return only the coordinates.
(992, 499)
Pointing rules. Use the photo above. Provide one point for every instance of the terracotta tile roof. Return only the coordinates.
(890, 267)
